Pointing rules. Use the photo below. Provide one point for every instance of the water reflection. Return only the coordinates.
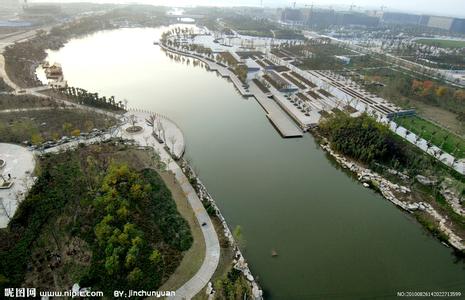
(334, 237)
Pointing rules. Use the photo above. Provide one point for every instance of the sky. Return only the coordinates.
(436, 7)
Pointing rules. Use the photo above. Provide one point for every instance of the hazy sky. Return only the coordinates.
(437, 7)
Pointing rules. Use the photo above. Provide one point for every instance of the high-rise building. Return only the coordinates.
(458, 25)
(401, 18)
(9, 6)
(440, 22)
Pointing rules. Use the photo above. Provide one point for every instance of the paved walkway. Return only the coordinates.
(145, 138)
(445, 158)
(212, 253)
(4, 75)
(165, 128)
(20, 164)
(275, 114)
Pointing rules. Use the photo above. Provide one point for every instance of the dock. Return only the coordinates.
(279, 118)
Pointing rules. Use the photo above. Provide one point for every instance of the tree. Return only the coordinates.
(67, 127)
(172, 139)
(132, 120)
(441, 91)
(37, 139)
(155, 257)
(239, 237)
(135, 276)
(432, 136)
(160, 130)
(151, 121)
(76, 132)
(4, 208)
(112, 264)
(88, 125)
(444, 140)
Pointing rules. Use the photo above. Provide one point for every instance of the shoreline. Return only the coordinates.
(223, 73)
(387, 189)
(378, 183)
(239, 262)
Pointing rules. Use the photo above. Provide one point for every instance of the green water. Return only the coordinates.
(335, 239)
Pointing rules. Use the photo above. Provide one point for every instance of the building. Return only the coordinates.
(445, 23)
(440, 22)
(352, 18)
(9, 6)
(458, 25)
(401, 18)
(343, 59)
(42, 10)
(252, 66)
(323, 18)
(292, 16)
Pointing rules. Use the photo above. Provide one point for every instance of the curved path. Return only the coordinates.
(19, 163)
(212, 253)
(145, 138)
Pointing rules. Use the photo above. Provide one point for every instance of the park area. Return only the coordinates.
(436, 135)
(442, 43)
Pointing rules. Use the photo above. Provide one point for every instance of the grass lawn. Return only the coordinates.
(425, 129)
(442, 43)
(193, 258)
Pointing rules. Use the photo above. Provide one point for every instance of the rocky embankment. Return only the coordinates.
(239, 262)
(389, 189)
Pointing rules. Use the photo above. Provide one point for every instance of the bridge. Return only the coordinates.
(179, 16)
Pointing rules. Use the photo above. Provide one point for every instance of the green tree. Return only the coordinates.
(135, 276)
(37, 139)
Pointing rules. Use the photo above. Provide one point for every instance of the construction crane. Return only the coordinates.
(311, 6)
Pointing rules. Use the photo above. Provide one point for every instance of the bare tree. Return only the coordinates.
(152, 122)
(172, 140)
(161, 130)
(133, 120)
(4, 208)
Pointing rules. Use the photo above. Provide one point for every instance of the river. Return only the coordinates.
(335, 238)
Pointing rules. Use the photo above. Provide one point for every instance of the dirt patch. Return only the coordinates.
(441, 116)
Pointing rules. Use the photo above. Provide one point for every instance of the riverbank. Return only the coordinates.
(398, 195)
(24, 55)
(212, 66)
(239, 261)
(278, 116)
(269, 186)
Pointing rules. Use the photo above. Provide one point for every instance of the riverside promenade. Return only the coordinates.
(286, 127)
(212, 252)
(279, 118)
(145, 138)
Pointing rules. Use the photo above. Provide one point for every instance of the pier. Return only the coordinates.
(286, 127)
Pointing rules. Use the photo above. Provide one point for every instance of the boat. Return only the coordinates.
(274, 253)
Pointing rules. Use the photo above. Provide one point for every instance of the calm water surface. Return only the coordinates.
(335, 239)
